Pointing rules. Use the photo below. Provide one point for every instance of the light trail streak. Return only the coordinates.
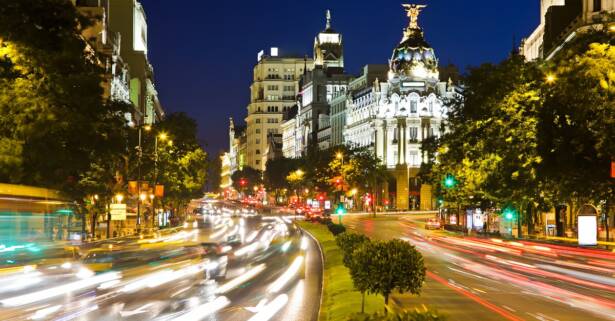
(269, 310)
(507, 315)
(60, 290)
(204, 310)
(226, 287)
(281, 281)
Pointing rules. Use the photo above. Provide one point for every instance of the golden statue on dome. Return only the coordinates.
(413, 11)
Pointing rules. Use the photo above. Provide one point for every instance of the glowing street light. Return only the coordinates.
(339, 155)
(119, 198)
(142, 197)
(163, 136)
(550, 78)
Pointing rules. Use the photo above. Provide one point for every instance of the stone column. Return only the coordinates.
(426, 198)
(401, 178)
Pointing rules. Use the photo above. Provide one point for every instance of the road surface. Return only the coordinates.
(273, 273)
(470, 278)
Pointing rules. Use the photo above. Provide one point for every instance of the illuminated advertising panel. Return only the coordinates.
(588, 230)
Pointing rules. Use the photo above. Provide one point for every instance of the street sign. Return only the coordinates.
(118, 212)
(327, 205)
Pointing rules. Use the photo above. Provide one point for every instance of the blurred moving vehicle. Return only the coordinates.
(433, 224)
(216, 260)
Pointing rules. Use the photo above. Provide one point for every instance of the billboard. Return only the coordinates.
(588, 230)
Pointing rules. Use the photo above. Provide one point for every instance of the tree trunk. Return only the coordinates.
(374, 200)
(386, 303)
(530, 219)
(363, 302)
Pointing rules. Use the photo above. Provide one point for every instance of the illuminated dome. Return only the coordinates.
(413, 58)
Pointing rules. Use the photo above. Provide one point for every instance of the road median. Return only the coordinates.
(339, 297)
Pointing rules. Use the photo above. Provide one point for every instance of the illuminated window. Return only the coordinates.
(413, 133)
(413, 105)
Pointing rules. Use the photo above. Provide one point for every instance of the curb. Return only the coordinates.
(322, 261)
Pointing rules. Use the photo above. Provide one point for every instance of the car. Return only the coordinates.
(216, 259)
(433, 224)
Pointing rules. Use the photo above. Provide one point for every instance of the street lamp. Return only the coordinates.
(550, 78)
(119, 198)
(162, 137)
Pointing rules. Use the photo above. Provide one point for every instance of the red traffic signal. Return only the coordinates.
(243, 182)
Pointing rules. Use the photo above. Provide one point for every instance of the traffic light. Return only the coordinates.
(340, 210)
(450, 181)
(509, 213)
(440, 201)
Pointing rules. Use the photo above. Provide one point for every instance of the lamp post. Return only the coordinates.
(340, 156)
(163, 137)
(139, 156)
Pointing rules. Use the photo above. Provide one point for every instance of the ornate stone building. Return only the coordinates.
(392, 117)
(561, 21)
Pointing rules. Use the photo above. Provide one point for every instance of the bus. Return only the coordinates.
(32, 214)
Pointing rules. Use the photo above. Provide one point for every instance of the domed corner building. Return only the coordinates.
(400, 113)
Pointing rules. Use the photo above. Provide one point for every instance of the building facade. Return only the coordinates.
(225, 172)
(273, 91)
(127, 18)
(560, 22)
(392, 117)
(344, 98)
(325, 81)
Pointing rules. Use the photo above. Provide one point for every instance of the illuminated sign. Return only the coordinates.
(118, 212)
(612, 169)
(413, 84)
(259, 56)
(588, 230)
(274, 51)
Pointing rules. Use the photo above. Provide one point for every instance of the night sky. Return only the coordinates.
(203, 51)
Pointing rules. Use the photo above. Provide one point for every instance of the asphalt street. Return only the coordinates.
(472, 278)
(273, 273)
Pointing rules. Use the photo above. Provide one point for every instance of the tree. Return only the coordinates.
(387, 266)
(276, 174)
(348, 243)
(250, 176)
(366, 170)
(182, 163)
(54, 122)
(213, 176)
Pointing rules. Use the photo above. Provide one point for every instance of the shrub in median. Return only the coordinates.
(349, 242)
(387, 266)
(336, 229)
(407, 316)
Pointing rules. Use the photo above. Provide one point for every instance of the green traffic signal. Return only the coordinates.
(449, 181)
(509, 213)
(340, 210)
